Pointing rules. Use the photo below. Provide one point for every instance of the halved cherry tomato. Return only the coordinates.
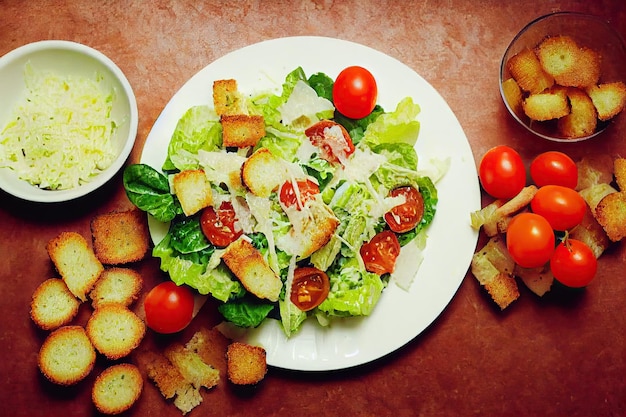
(530, 240)
(168, 307)
(219, 227)
(502, 172)
(332, 139)
(380, 253)
(562, 207)
(309, 288)
(355, 92)
(573, 263)
(405, 216)
(306, 191)
(554, 168)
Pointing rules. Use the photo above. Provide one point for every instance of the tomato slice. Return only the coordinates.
(219, 226)
(309, 288)
(405, 216)
(168, 307)
(380, 253)
(332, 139)
(306, 190)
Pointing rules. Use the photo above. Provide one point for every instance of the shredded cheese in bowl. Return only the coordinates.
(59, 136)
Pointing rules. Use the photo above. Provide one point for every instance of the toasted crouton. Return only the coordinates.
(609, 99)
(170, 382)
(241, 130)
(247, 364)
(611, 214)
(592, 195)
(226, 97)
(248, 264)
(513, 96)
(262, 172)
(76, 262)
(619, 170)
(570, 65)
(526, 69)
(193, 190)
(117, 388)
(116, 285)
(120, 237)
(53, 305)
(210, 345)
(114, 330)
(591, 232)
(500, 285)
(192, 367)
(538, 280)
(66, 356)
(548, 105)
(582, 118)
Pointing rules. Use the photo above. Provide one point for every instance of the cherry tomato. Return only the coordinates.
(530, 240)
(168, 307)
(502, 172)
(307, 189)
(380, 253)
(355, 92)
(573, 263)
(562, 207)
(332, 139)
(219, 226)
(554, 168)
(309, 288)
(405, 216)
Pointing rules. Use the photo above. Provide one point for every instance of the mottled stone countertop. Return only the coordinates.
(561, 355)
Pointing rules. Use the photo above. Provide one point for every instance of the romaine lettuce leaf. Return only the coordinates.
(400, 125)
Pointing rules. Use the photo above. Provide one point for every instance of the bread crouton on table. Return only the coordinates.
(193, 190)
(249, 266)
(247, 364)
(114, 330)
(493, 268)
(611, 214)
(117, 388)
(120, 237)
(192, 367)
(242, 130)
(76, 262)
(66, 356)
(53, 305)
(116, 285)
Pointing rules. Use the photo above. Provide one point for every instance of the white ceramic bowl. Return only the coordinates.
(587, 30)
(66, 58)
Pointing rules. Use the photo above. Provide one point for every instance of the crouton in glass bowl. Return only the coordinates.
(68, 121)
(563, 76)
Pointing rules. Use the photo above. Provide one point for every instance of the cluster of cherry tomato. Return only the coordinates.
(531, 236)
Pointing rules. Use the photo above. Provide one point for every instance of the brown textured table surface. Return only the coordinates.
(563, 355)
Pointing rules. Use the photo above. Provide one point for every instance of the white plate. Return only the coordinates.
(400, 315)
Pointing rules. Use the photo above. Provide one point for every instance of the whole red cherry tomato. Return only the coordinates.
(355, 92)
(573, 263)
(502, 172)
(562, 207)
(169, 307)
(530, 240)
(554, 168)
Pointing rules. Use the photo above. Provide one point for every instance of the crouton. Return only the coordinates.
(242, 130)
(609, 99)
(592, 195)
(170, 382)
(619, 171)
(591, 232)
(548, 105)
(582, 118)
(210, 345)
(66, 356)
(76, 262)
(117, 388)
(53, 304)
(262, 173)
(594, 170)
(114, 330)
(192, 367)
(611, 214)
(538, 280)
(513, 96)
(526, 69)
(500, 285)
(247, 364)
(116, 285)
(567, 63)
(120, 237)
(226, 98)
(193, 190)
(248, 264)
